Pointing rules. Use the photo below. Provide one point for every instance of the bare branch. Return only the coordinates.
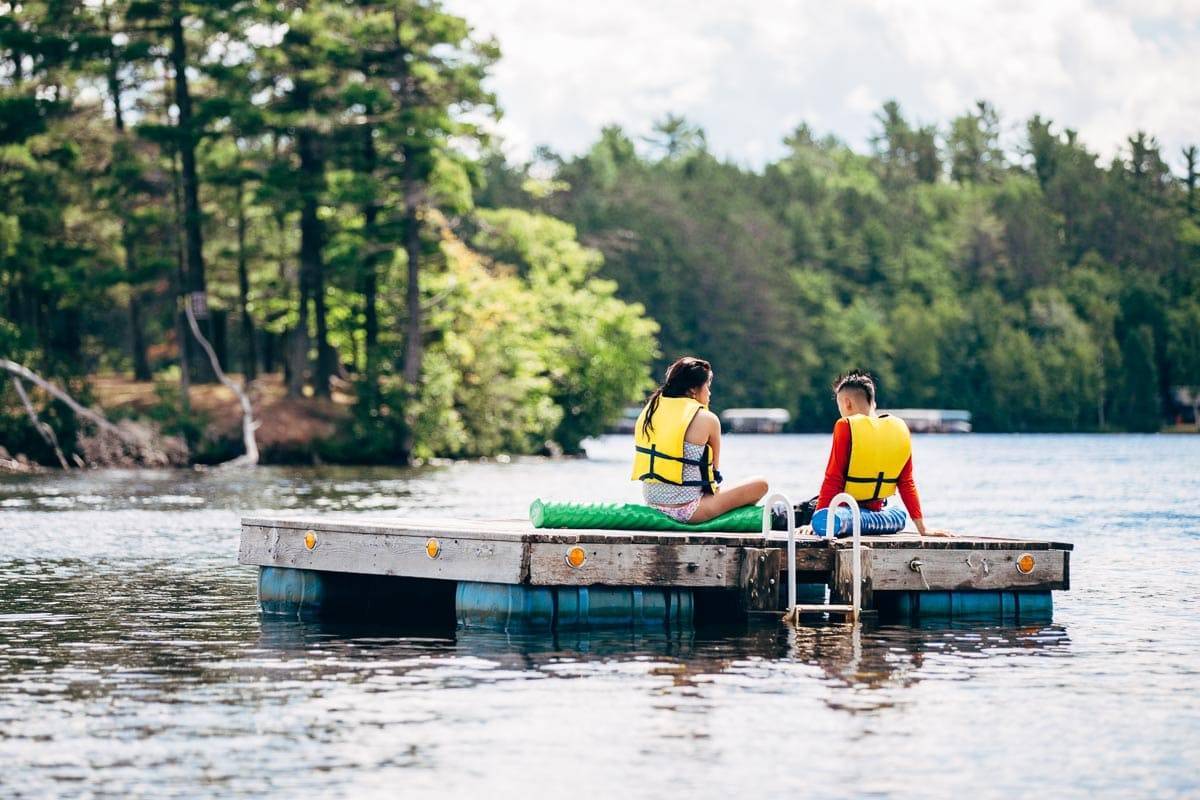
(250, 457)
(37, 380)
(41, 427)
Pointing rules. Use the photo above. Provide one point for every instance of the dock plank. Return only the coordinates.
(625, 564)
(492, 530)
(843, 577)
(759, 578)
(522, 529)
(914, 540)
(953, 569)
(388, 553)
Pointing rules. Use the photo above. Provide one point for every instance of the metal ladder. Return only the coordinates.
(794, 610)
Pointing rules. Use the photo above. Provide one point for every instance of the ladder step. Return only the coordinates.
(797, 611)
(822, 608)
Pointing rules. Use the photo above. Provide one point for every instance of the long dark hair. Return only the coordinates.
(683, 376)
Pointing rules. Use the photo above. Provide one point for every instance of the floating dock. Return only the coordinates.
(509, 575)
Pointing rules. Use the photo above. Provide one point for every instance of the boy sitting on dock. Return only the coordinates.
(871, 456)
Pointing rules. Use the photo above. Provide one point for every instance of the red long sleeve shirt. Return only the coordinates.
(839, 464)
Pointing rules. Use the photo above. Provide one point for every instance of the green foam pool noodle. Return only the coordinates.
(630, 517)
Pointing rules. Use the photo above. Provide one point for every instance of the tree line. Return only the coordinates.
(314, 181)
(1043, 289)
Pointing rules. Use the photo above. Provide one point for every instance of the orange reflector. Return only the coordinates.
(432, 548)
(310, 540)
(1025, 564)
(576, 556)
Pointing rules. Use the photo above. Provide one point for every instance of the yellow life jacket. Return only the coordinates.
(879, 449)
(659, 457)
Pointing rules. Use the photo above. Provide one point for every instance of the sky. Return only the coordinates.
(749, 72)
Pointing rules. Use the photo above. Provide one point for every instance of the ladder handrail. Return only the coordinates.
(842, 499)
(845, 499)
(791, 532)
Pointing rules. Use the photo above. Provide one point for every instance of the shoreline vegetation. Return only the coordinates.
(308, 198)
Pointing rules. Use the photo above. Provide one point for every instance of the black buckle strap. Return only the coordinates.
(654, 453)
(878, 480)
(661, 479)
(708, 476)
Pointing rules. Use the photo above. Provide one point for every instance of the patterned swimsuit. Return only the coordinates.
(677, 502)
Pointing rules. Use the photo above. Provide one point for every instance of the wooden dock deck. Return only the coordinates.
(751, 566)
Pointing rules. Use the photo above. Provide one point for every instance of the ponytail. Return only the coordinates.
(651, 407)
(683, 376)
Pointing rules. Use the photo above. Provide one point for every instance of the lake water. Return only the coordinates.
(134, 662)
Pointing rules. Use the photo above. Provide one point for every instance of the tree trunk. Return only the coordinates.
(64, 340)
(194, 243)
(250, 357)
(297, 343)
(292, 342)
(266, 351)
(414, 345)
(371, 321)
(370, 284)
(181, 337)
(311, 242)
(141, 364)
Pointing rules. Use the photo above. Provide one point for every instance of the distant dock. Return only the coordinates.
(755, 420)
(507, 574)
(736, 420)
(933, 420)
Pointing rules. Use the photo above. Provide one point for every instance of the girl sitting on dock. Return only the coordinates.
(678, 448)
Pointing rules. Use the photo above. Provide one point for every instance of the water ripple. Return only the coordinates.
(133, 661)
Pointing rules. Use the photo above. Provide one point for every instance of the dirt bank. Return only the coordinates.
(289, 425)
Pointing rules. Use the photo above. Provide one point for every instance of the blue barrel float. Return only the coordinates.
(508, 607)
(978, 606)
(291, 592)
(304, 594)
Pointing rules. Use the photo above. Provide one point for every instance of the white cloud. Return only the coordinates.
(750, 72)
(861, 99)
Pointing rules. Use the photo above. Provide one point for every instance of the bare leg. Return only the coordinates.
(731, 497)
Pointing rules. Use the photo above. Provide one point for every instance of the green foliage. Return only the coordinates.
(377, 429)
(354, 236)
(1184, 346)
(598, 346)
(173, 418)
(531, 349)
(487, 389)
(1046, 296)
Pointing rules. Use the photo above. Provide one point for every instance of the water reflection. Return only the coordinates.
(861, 658)
(80, 630)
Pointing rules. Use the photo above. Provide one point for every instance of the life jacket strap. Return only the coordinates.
(708, 475)
(661, 479)
(654, 453)
(879, 480)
